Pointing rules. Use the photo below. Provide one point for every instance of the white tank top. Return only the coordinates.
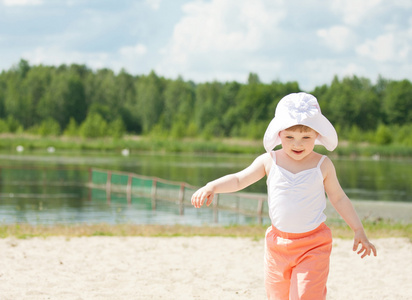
(296, 201)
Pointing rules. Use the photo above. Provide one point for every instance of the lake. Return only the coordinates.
(56, 193)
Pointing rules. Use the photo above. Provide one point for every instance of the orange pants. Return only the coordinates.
(297, 264)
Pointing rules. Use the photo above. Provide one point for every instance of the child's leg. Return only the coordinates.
(277, 267)
(297, 265)
(309, 276)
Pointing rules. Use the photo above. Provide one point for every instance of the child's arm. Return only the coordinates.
(344, 207)
(232, 182)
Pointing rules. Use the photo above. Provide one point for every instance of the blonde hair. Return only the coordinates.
(301, 128)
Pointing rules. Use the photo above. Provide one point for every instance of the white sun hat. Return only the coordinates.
(300, 109)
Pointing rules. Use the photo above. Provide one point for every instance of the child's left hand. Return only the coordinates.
(367, 247)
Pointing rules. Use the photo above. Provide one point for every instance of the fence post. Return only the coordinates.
(215, 208)
(181, 198)
(109, 186)
(260, 210)
(154, 186)
(129, 189)
(90, 183)
(43, 176)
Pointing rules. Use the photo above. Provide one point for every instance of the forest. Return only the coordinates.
(73, 100)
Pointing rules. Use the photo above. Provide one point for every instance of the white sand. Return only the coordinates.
(183, 268)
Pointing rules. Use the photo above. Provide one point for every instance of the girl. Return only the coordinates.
(298, 243)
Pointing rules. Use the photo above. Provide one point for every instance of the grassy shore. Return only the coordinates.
(9, 142)
(134, 143)
(378, 229)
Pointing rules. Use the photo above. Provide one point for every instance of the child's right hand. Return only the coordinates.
(199, 197)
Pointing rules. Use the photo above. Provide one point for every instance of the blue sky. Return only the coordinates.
(203, 40)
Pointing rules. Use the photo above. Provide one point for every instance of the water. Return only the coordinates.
(35, 198)
(63, 210)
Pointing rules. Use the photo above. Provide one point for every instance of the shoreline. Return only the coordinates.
(369, 210)
(141, 143)
(375, 229)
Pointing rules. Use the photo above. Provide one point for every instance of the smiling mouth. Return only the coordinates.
(297, 152)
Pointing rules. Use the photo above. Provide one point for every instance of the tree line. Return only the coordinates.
(74, 100)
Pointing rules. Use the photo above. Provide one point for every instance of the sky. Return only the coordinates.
(308, 41)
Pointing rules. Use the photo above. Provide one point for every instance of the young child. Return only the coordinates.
(298, 243)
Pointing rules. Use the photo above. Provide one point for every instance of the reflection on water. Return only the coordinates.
(386, 180)
(58, 196)
(98, 210)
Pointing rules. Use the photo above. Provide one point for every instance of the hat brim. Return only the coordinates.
(327, 133)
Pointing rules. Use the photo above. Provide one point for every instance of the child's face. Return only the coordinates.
(298, 144)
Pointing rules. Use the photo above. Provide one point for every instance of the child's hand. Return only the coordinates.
(367, 247)
(199, 197)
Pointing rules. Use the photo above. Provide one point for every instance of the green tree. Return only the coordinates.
(397, 102)
(351, 102)
(101, 90)
(384, 135)
(94, 126)
(12, 124)
(48, 127)
(178, 106)
(126, 97)
(16, 99)
(65, 98)
(22, 68)
(116, 128)
(253, 105)
(3, 126)
(3, 91)
(209, 108)
(72, 128)
(253, 79)
(31, 96)
(36, 84)
(149, 100)
(13, 102)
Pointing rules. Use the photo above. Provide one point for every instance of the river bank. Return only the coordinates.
(375, 229)
(133, 143)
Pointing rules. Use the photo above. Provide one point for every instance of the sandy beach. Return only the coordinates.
(183, 268)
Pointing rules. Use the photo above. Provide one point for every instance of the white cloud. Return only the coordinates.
(56, 56)
(402, 3)
(338, 38)
(389, 47)
(352, 69)
(224, 40)
(380, 49)
(130, 58)
(21, 2)
(355, 12)
(320, 71)
(131, 51)
(153, 4)
(222, 35)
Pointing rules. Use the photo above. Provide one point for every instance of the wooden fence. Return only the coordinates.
(178, 192)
